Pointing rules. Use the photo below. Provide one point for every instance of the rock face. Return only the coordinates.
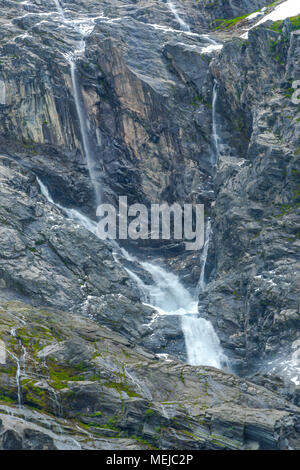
(170, 117)
(104, 392)
(256, 223)
(48, 259)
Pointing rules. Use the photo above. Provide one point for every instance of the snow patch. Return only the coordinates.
(254, 15)
(285, 10)
(211, 48)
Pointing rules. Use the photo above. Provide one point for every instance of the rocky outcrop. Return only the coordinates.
(48, 259)
(77, 344)
(256, 224)
(117, 395)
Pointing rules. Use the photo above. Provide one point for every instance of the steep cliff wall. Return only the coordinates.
(157, 89)
(256, 229)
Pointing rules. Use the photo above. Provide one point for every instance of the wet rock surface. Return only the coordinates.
(98, 369)
(102, 391)
(256, 223)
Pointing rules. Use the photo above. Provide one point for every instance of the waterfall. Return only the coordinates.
(181, 22)
(59, 8)
(83, 31)
(18, 369)
(80, 109)
(203, 257)
(2, 352)
(215, 135)
(45, 192)
(169, 297)
(202, 343)
(73, 214)
(166, 294)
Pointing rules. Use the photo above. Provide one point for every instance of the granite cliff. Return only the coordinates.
(162, 101)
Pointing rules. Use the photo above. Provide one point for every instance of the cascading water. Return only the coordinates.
(19, 361)
(83, 30)
(184, 26)
(167, 295)
(59, 8)
(83, 128)
(203, 258)
(215, 135)
(73, 214)
(202, 343)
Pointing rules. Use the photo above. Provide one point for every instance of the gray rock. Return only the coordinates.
(95, 354)
(84, 386)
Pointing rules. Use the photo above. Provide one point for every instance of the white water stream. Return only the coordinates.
(83, 28)
(166, 294)
(215, 134)
(203, 258)
(183, 25)
(84, 130)
(21, 364)
(169, 297)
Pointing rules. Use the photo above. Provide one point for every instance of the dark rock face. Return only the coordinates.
(71, 317)
(47, 259)
(208, 14)
(103, 392)
(256, 224)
